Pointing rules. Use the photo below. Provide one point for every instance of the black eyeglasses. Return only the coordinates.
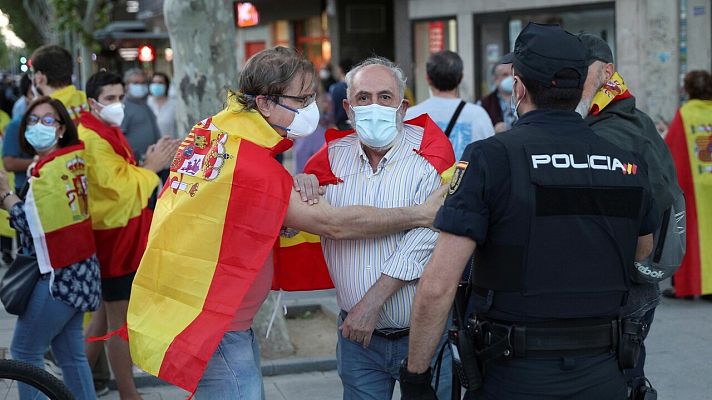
(47, 120)
(303, 100)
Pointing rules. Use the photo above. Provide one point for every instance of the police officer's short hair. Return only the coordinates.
(444, 69)
(556, 98)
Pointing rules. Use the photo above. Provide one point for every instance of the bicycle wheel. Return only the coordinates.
(13, 371)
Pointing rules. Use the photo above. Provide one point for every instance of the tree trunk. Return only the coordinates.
(41, 13)
(202, 34)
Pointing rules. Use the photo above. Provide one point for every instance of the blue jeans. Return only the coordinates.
(233, 373)
(48, 322)
(371, 373)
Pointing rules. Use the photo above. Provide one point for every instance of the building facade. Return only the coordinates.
(655, 42)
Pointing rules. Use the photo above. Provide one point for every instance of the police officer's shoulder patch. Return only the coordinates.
(457, 176)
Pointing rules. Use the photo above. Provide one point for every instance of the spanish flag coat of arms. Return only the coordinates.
(57, 210)
(215, 223)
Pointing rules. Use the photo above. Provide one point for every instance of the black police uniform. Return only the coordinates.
(556, 212)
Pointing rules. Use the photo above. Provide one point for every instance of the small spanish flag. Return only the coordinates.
(57, 211)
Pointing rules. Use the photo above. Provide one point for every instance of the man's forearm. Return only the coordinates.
(362, 222)
(430, 311)
(383, 289)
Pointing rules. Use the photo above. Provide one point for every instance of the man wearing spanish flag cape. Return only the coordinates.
(119, 191)
(209, 261)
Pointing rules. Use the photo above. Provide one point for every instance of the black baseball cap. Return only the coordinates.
(541, 51)
(598, 49)
(506, 59)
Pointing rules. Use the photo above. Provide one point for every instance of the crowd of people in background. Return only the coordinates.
(124, 129)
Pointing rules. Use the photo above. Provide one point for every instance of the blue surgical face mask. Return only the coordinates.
(376, 125)
(157, 89)
(507, 84)
(41, 137)
(138, 90)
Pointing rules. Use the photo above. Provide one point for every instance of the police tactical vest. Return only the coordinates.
(564, 244)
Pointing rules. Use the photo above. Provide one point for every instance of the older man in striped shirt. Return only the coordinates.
(379, 165)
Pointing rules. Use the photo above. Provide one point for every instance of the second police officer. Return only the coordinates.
(556, 215)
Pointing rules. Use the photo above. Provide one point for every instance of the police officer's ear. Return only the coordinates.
(264, 104)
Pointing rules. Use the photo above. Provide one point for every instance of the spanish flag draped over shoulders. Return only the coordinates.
(119, 191)
(74, 100)
(690, 140)
(298, 260)
(215, 224)
(56, 209)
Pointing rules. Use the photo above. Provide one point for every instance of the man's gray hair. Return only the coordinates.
(134, 71)
(395, 69)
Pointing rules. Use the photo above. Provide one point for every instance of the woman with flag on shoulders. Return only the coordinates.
(54, 225)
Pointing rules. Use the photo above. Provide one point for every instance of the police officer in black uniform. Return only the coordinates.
(556, 216)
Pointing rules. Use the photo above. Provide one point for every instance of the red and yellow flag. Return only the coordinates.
(215, 224)
(299, 261)
(613, 90)
(690, 140)
(57, 210)
(119, 191)
(74, 100)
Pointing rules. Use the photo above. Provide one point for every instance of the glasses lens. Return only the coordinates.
(32, 120)
(48, 120)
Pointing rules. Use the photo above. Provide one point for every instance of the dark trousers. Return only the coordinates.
(580, 378)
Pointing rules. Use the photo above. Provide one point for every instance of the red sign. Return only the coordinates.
(146, 54)
(436, 36)
(246, 14)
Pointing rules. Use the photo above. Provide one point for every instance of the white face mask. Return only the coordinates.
(113, 114)
(305, 121)
(376, 125)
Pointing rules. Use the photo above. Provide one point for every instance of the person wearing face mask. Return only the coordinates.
(609, 108)
(382, 162)
(52, 76)
(462, 122)
(209, 262)
(139, 124)
(555, 215)
(119, 193)
(497, 102)
(54, 225)
(163, 105)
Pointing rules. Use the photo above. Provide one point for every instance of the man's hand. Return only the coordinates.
(361, 321)
(432, 205)
(159, 155)
(308, 187)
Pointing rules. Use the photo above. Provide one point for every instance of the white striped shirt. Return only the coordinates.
(403, 178)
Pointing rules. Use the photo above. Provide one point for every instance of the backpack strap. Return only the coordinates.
(454, 118)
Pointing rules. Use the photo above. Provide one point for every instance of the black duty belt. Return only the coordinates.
(500, 339)
(386, 333)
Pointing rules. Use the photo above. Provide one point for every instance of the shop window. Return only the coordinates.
(430, 37)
